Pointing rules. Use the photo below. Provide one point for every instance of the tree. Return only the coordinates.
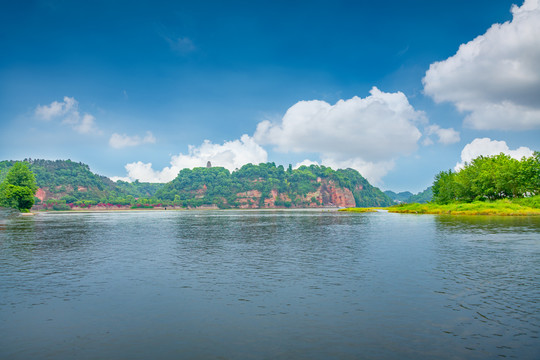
(444, 187)
(489, 178)
(18, 189)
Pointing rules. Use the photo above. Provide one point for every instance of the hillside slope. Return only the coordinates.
(268, 186)
(252, 186)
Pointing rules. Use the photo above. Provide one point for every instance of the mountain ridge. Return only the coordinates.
(69, 184)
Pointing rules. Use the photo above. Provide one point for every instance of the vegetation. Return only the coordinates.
(489, 178)
(70, 184)
(18, 188)
(216, 185)
(399, 197)
(516, 207)
(360, 210)
(489, 185)
(422, 197)
(408, 197)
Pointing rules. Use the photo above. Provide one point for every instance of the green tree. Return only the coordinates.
(444, 187)
(489, 178)
(18, 188)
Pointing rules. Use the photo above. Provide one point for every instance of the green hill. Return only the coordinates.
(268, 185)
(409, 198)
(66, 182)
(73, 182)
(399, 197)
(422, 197)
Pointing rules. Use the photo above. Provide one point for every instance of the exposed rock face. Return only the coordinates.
(328, 194)
(339, 196)
(41, 194)
(45, 193)
(249, 199)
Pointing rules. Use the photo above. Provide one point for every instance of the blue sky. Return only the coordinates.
(140, 89)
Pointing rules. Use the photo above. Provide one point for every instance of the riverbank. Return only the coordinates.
(361, 210)
(180, 209)
(517, 207)
(500, 207)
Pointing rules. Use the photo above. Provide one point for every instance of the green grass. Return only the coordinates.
(516, 207)
(360, 210)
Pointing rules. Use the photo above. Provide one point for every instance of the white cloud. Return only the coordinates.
(305, 162)
(372, 171)
(56, 109)
(495, 78)
(68, 112)
(231, 155)
(119, 141)
(362, 132)
(446, 136)
(120, 178)
(488, 147)
(427, 141)
(86, 125)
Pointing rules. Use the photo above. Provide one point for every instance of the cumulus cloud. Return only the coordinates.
(361, 132)
(231, 155)
(56, 109)
(119, 141)
(488, 147)
(371, 170)
(446, 136)
(120, 178)
(495, 78)
(306, 162)
(68, 112)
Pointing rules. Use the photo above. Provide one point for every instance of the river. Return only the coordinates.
(268, 285)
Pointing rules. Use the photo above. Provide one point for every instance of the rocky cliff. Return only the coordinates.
(327, 194)
(250, 187)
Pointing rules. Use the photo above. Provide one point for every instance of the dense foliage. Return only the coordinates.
(408, 197)
(71, 184)
(18, 187)
(216, 185)
(489, 178)
(399, 197)
(138, 189)
(510, 207)
(422, 197)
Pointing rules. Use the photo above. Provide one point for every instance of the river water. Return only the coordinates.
(268, 285)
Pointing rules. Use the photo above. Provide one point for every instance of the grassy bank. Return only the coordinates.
(360, 210)
(516, 207)
(520, 207)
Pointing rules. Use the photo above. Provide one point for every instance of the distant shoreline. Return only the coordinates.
(88, 211)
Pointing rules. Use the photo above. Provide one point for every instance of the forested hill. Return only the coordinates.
(67, 180)
(268, 185)
(252, 186)
(74, 182)
(409, 198)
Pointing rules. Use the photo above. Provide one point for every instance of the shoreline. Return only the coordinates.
(499, 208)
(87, 211)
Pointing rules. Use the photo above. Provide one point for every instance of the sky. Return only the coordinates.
(399, 90)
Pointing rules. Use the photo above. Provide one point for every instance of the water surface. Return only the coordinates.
(268, 284)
